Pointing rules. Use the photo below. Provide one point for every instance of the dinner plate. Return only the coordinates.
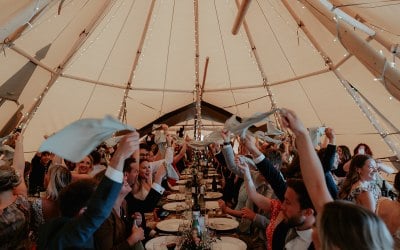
(176, 187)
(222, 224)
(208, 180)
(213, 195)
(181, 182)
(212, 205)
(175, 206)
(176, 197)
(170, 225)
(228, 243)
(162, 240)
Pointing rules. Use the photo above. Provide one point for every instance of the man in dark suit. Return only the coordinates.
(82, 216)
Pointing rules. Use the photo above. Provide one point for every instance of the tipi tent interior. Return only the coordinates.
(333, 62)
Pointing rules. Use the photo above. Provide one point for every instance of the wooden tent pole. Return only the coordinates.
(32, 59)
(260, 67)
(393, 48)
(112, 85)
(389, 141)
(240, 15)
(135, 62)
(368, 56)
(78, 43)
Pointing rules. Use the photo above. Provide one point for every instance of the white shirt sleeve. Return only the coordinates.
(114, 175)
(169, 155)
(259, 159)
(158, 188)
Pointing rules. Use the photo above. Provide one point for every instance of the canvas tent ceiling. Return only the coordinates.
(97, 47)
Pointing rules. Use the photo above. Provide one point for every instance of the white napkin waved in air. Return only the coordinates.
(78, 139)
(240, 128)
(264, 136)
(315, 134)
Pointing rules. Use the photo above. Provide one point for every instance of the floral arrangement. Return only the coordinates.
(192, 241)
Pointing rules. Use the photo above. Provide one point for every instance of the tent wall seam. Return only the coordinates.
(290, 65)
(259, 65)
(226, 61)
(167, 61)
(106, 61)
(378, 37)
(78, 43)
(136, 60)
(344, 82)
(376, 63)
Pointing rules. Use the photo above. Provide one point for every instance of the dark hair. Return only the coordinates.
(346, 152)
(274, 156)
(367, 149)
(352, 176)
(396, 184)
(144, 146)
(127, 164)
(96, 156)
(293, 169)
(154, 148)
(75, 196)
(298, 186)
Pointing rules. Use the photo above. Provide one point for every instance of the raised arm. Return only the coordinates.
(229, 155)
(182, 152)
(311, 168)
(19, 165)
(79, 229)
(260, 200)
(265, 167)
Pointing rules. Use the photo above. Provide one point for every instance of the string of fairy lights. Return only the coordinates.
(149, 34)
(27, 117)
(119, 4)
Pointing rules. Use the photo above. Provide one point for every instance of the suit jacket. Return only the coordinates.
(77, 232)
(112, 234)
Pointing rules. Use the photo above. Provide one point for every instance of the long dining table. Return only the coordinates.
(173, 217)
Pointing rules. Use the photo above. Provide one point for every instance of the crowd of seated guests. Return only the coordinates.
(286, 196)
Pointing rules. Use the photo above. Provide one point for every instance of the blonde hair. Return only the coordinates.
(347, 226)
(59, 177)
(9, 178)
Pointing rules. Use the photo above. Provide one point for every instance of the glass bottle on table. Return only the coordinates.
(196, 228)
(384, 189)
(202, 202)
(214, 185)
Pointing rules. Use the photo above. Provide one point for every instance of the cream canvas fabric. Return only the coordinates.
(104, 54)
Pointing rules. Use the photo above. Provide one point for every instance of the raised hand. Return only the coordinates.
(291, 121)
(226, 135)
(330, 134)
(128, 144)
(222, 205)
(137, 235)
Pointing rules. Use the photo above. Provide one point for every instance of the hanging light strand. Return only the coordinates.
(198, 118)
